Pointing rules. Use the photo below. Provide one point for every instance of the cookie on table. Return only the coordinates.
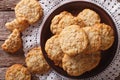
(31, 10)
(73, 40)
(94, 40)
(17, 72)
(76, 66)
(36, 62)
(63, 20)
(54, 50)
(13, 43)
(21, 24)
(107, 35)
(89, 17)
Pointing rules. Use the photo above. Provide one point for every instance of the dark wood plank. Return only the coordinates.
(7, 59)
(2, 73)
(2, 4)
(5, 16)
(10, 59)
(8, 4)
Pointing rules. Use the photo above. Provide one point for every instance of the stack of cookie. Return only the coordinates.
(78, 40)
(27, 13)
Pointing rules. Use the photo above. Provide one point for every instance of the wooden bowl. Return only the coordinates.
(75, 7)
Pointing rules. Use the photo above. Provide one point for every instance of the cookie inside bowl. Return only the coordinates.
(75, 7)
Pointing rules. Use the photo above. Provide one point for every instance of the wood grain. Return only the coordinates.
(7, 59)
(5, 16)
(8, 4)
(2, 73)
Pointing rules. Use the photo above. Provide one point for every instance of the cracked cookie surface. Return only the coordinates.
(64, 19)
(89, 17)
(107, 35)
(36, 62)
(17, 72)
(13, 43)
(94, 40)
(73, 40)
(76, 66)
(54, 50)
(31, 10)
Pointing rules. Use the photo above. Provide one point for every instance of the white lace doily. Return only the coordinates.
(31, 38)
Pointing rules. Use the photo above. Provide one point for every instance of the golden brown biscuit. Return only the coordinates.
(55, 22)
(17, 72)
(63, 20)
(89, 17)
(30, 10)
(94, 40)
(35, 61)
(76, 66)
(95, 60)
(73, 40)
(21, 24)
(13, 43)
(107, 35)
(54, 50)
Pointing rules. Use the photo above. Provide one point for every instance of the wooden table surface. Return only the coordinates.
(7, 14)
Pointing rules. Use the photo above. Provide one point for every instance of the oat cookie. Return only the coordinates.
(94, 40)
(107, 35)
(31, 10)
(63, 20)
(89, 17)
(35, 61)
(55, 22)
(54, 50)
(13, 43)
(73, 40)
(94, 60)
(17, 72)
(76, 66)
(21, 24)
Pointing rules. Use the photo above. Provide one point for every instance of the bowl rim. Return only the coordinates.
(86, 1)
